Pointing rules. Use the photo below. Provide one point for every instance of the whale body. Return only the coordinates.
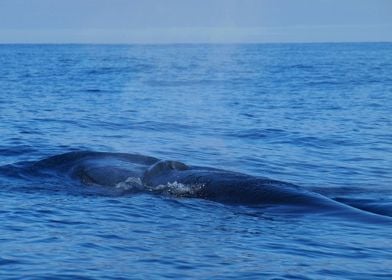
(166, 177)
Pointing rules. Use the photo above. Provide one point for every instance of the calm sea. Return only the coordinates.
(316, 115)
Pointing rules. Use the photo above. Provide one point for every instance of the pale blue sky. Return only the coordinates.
(194, 21)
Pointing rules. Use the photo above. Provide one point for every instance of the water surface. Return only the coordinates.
(316, 115)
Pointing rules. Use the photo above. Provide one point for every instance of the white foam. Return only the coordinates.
(171, 188)
(177, 189)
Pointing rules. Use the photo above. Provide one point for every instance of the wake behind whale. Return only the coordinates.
(138, 173)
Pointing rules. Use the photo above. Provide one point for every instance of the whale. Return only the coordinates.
(147, 174)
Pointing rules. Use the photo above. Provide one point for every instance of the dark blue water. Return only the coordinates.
(315, 115)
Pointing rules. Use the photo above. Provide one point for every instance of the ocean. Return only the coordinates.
(315, 116)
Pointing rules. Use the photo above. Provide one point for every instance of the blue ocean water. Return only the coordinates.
(315, 115)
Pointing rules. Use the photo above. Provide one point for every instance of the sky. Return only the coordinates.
(194, 21)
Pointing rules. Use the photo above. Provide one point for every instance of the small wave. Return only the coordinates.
(93, 90)
(257, 134)
(16, 150)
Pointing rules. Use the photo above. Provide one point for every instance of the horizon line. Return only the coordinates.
(196, 43)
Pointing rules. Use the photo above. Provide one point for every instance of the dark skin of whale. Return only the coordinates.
(110, 169)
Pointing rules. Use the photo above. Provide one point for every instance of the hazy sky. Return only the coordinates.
(218, 21)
